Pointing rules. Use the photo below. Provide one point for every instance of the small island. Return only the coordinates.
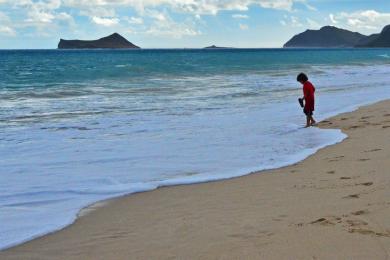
(215, 47)
(113, 41)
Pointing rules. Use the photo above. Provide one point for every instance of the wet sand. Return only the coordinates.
(333, 205)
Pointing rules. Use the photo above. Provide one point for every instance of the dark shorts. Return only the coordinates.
(308, 112)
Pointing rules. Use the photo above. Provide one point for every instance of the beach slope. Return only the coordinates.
(333, 205)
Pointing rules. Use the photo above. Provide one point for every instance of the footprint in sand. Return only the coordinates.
(386, 126)
(280, 217)
(366, 183)
(373, 150)
(345, 178)
(362, 227)
(322, 221)
(335, 159)
(359, 212)
(356, 222)
(352, 196)
(326, 122)
(255, 234)
(351, 224)
(368, 232)
(326, 221)
(331, 172)
(364, 159)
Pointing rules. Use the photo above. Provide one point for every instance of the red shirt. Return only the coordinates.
(308, 93)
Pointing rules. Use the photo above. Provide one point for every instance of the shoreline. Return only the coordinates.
(175, 182)
(90, 214)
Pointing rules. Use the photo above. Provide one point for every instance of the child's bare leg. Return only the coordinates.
(308, 121)
(312, 121)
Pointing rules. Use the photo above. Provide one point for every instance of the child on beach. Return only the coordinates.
(308, 96)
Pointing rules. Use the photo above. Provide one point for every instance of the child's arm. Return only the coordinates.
(305, 93)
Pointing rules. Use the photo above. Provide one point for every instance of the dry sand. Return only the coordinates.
(333, 205)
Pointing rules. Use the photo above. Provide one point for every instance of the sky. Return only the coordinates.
(39, 24)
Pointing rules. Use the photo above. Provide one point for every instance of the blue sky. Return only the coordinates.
(26, 24)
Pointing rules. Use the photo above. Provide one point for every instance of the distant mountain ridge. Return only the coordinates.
(377, 40)
(333, 37)
(327, 36)
(113, 41)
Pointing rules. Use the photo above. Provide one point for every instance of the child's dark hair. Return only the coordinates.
(302, 77)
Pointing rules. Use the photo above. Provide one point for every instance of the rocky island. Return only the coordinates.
(380, 40)
(326, 37)
(215, 47)
(113, 41)
(333, 37)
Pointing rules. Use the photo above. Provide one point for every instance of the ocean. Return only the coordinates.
(77, 127)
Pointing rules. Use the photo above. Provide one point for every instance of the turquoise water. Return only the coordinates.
(77, 127)
(55, 66)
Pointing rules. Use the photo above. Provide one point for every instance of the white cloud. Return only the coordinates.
(144, 16)
(311, 8)
(164, 25)
(295, 22)
(276, 4)
(177, 32)
(43, 15)
(312, 24)
(64, 16)
(159, 16)
(6, 30)
(243, 26)
(5, 25)
(308, 6)
(188, 6)
(240, 16)
(105, 21)
(292, 21)
(367, 20)
(98, 11)
(332, 19)
(101, 15)
(4, 17)
(38, 16)
(40, 5)
(134, 20)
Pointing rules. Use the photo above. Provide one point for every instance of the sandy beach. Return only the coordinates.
(333, 205)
